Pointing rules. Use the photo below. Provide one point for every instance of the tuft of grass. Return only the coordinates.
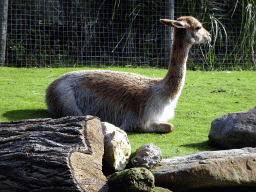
(205, 97)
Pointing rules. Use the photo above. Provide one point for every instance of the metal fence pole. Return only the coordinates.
(3, 29)
(169, 14)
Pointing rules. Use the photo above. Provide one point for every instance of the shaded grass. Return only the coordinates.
(205, 97)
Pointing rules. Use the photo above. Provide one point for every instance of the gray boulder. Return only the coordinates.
(226, 168)
(235, 130)
(147, 156)
(134, 179)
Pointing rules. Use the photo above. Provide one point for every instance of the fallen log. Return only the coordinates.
(52, 155)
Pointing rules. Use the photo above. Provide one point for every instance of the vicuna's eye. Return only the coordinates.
(197, 28)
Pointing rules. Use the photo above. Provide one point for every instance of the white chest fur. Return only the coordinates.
(160, 108)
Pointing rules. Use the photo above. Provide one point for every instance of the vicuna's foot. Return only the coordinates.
(161, 127)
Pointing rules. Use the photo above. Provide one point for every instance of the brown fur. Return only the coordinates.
(180, 50)
(131, 101)
(133, 91)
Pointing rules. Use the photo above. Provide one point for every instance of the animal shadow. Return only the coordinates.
(16, 115)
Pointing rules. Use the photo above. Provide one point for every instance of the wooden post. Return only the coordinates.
(3, 29)
(52, 155)
(168, 40)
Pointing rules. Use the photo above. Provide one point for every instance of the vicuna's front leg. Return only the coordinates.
(161, 127)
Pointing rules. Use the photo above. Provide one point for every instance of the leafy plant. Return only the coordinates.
(232, 26)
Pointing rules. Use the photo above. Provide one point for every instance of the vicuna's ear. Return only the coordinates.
(174, 23)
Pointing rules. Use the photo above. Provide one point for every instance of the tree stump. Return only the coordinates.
(52, 155)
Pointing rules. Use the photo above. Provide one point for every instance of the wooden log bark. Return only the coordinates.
(52, 155)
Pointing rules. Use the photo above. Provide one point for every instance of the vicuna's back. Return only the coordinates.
(127, 100)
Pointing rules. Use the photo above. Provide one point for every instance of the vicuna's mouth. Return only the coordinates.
(204, 41)
(207, 40)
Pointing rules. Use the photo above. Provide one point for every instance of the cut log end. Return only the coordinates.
(52, 155)
(87, 173)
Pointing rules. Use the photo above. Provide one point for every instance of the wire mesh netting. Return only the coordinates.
(63, 33)
(68, 33)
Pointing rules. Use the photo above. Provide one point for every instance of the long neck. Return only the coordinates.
(175, 77)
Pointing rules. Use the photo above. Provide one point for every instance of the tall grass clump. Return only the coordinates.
(232, 26)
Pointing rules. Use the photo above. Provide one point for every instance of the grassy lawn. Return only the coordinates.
(205, 97)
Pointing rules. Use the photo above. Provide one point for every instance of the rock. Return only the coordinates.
(134, 179)
(235, 130)
(52, 155)
(147, 156)
(226, 168)
(117, 148)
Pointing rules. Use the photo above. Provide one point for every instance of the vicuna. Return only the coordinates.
(129, 101)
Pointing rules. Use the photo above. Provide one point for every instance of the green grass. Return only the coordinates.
(205, 97)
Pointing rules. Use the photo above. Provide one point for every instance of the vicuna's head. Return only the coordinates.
(188, 30)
